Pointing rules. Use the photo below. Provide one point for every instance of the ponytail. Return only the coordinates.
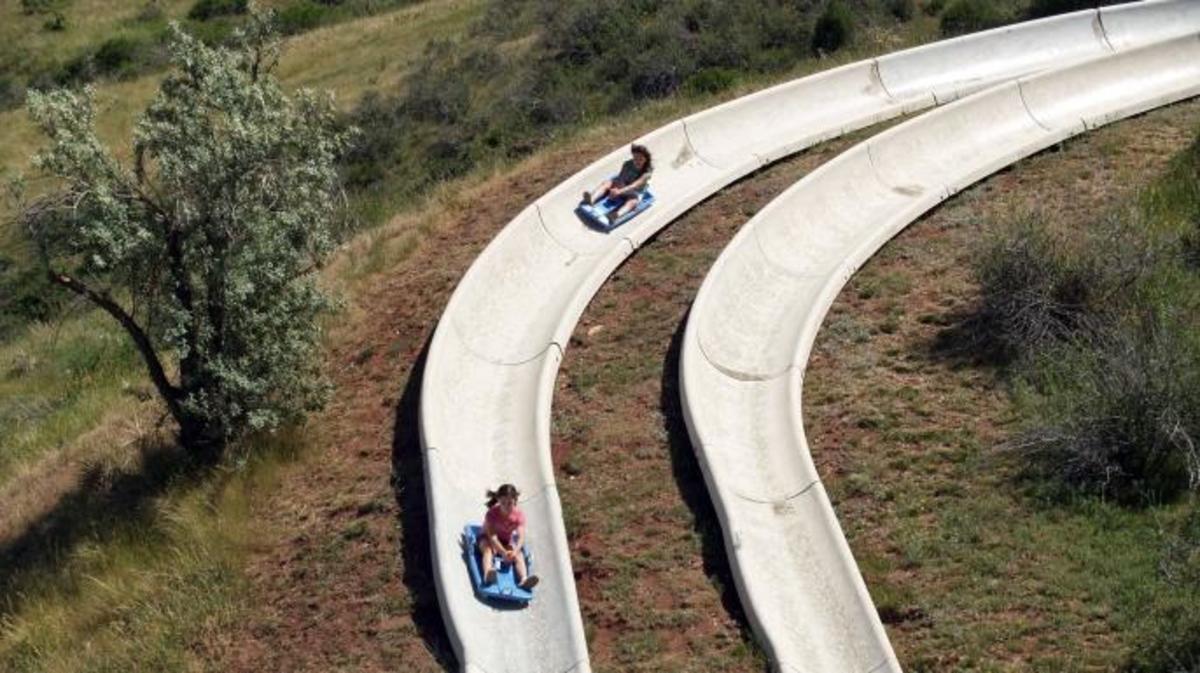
(505, 491)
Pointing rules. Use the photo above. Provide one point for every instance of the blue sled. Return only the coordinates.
(596, 216)
(505, 587)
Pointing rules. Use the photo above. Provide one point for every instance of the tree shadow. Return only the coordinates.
(104, 503)
(408, 485)
(689, 479)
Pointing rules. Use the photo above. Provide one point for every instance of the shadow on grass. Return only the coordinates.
(689, 479)
(965, 339)
(103, 504)
(408, 485)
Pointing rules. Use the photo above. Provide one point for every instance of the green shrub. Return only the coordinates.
(903, 10)
(11, 92)
(204, 10)
(934, 7)
(56, 23)
(660, 69)
(969, 16)
(115, 55)
(25, 296)
(1035, 293)
(711, 80)
(1040, 8)
(31, 7)
(436, 92)
(151, 12)
(300, 16)
(1189, 245)
(1118, 415)
(834, 28)
(1168, 637)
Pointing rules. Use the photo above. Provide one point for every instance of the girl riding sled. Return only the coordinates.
(504, 535)
(628, 187)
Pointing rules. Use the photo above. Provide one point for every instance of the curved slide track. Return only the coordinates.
(757, 314)
(490, 370)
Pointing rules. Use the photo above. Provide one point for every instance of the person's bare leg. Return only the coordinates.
(519, 564)
(602, 189)
(624, 209)
(523, 577)
(489, 573)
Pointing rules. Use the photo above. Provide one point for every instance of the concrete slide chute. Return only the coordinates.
(490, 370)
(756, 316)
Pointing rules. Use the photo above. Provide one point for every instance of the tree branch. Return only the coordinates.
(158, 375)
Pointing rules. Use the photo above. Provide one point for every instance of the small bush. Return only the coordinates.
(1168, 638)
(1041, 8)
(57, 22)
(711, 80)
(834, 29)
(11, 93)
(934, 7)
(1033, 293)
(437, 93)
(903, 10)
(1189, 245)
(1119, 415)
(658, 72)
(205, 10)
(151, 12)
(969, 16)
(115, 54)
(300, 16)
(32, 7)
(25, 296)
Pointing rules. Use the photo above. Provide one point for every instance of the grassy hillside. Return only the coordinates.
(49, 43)
(102, 541)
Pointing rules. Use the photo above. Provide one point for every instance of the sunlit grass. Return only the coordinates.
(59, 381)
(147, 586)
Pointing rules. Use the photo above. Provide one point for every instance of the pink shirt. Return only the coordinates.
(504, 526)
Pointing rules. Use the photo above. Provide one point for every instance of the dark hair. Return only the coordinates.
(644, 151)
(505, 491)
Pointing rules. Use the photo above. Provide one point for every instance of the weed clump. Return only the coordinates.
(834, 29)
(1168, 639)
(205, 10)
(1119, 416)
(903, 10)
(1041, 8)
(969, 16)
(1037, 292)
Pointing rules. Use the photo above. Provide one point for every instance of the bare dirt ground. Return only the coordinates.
(342, 580)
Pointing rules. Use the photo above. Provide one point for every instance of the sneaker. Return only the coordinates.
(612, 217)
(530, 582)
(587, 198)
(489, 577)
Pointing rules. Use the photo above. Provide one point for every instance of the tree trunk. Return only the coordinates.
(204, 440)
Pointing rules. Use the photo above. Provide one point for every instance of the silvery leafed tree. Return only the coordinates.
(204, 248)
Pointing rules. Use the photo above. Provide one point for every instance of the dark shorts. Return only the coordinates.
(628, 196)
